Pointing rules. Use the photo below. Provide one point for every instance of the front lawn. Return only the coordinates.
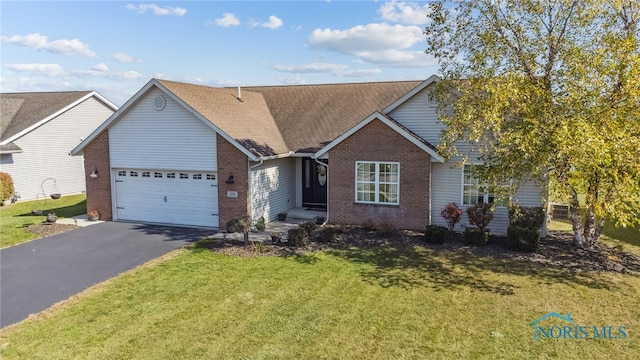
(16, 218)
(368, 302)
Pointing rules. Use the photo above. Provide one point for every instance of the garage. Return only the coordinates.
(167, 197)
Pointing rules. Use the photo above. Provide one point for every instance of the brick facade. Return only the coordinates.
(377, 142)
(98, 189)
(232, 161)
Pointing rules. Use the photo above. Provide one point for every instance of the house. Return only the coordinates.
(187, 154)
(37, 131)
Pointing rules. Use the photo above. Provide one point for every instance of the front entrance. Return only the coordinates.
(314, 183)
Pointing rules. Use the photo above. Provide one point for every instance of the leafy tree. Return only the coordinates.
(548, 89)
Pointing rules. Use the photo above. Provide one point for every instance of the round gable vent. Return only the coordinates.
(159, 103)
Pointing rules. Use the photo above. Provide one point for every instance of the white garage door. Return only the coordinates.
(167, 197)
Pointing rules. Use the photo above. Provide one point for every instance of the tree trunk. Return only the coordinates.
(574, 209)
(246, 238)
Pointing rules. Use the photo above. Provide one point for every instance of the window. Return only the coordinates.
(145, 174)
(196, 176)
(157, 174)
(475, 192)
(133, 173)
(171, 175)
(184, 176)
(377, 182)
(211, 177)
(122, 173)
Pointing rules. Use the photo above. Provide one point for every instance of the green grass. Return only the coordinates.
(612, 235)
(379, 303)
(14, 219)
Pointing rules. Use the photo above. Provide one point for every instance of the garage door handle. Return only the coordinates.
(165, 198)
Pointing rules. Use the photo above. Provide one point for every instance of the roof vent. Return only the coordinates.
(159, 103)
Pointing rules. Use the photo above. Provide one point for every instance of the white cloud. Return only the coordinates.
(398, 58)
(273, 23)
(339, 70)
(100, 67)
(227, 20)
(404, 12)
(52, 70)
(123, 58)
(292, 80)
(37, 41)
(113, 75)
(311, 68)
(377, 43)
(157, 10)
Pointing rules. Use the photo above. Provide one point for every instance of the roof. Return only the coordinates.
(247, 120)
(311, 116)
(266, 121)
(19, 112)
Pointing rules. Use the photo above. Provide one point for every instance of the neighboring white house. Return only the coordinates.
(37, 132)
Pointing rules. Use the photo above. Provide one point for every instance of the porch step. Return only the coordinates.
(304, 213)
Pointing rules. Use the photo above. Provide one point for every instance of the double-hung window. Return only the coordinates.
(378, 182)
(474, 191)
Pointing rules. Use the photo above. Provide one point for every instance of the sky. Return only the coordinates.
(116, 47)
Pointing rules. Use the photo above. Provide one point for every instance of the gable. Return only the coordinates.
(393, 126)
(171, 137)
(23, 112)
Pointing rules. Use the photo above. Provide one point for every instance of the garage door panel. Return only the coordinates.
(171, 197)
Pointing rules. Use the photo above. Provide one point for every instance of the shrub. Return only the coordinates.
(522, 238)
(476, 236)
(527, 217)
(480, 215)
(369, 225)
(297, 236)
(435, 234)
(451, 214)
(308, 227)
(6, 186)
(328, 234)
(386, 229)
(319, 220)
(232, 225)
(260, 224)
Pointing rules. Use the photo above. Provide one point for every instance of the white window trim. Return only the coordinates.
(486, 195)
(377, 183)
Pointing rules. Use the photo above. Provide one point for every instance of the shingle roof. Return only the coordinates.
(248, 120)
(18, 111)
(311, 116)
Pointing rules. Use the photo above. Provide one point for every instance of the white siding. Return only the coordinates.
(446, 179)
(447, 187)
(419, 117)
(173, 138)
(273, 188)
(46, 152)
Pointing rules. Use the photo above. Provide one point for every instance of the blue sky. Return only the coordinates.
(116, 47)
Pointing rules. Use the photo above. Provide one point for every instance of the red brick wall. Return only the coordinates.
(377, 142)
(232, 161)
(98, 189)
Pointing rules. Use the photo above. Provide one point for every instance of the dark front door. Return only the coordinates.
(314, 184)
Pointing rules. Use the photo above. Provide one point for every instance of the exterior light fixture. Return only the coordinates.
(94, 173)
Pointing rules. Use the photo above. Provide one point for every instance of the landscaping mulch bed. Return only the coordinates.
(556, 250)
(46, 229)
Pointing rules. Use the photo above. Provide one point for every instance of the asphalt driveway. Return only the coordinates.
(40, 273)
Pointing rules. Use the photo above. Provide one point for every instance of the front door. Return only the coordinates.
(314, 184)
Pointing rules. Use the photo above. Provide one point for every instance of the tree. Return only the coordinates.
(547, 89)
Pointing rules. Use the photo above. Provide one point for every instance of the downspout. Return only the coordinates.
(326, 220)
